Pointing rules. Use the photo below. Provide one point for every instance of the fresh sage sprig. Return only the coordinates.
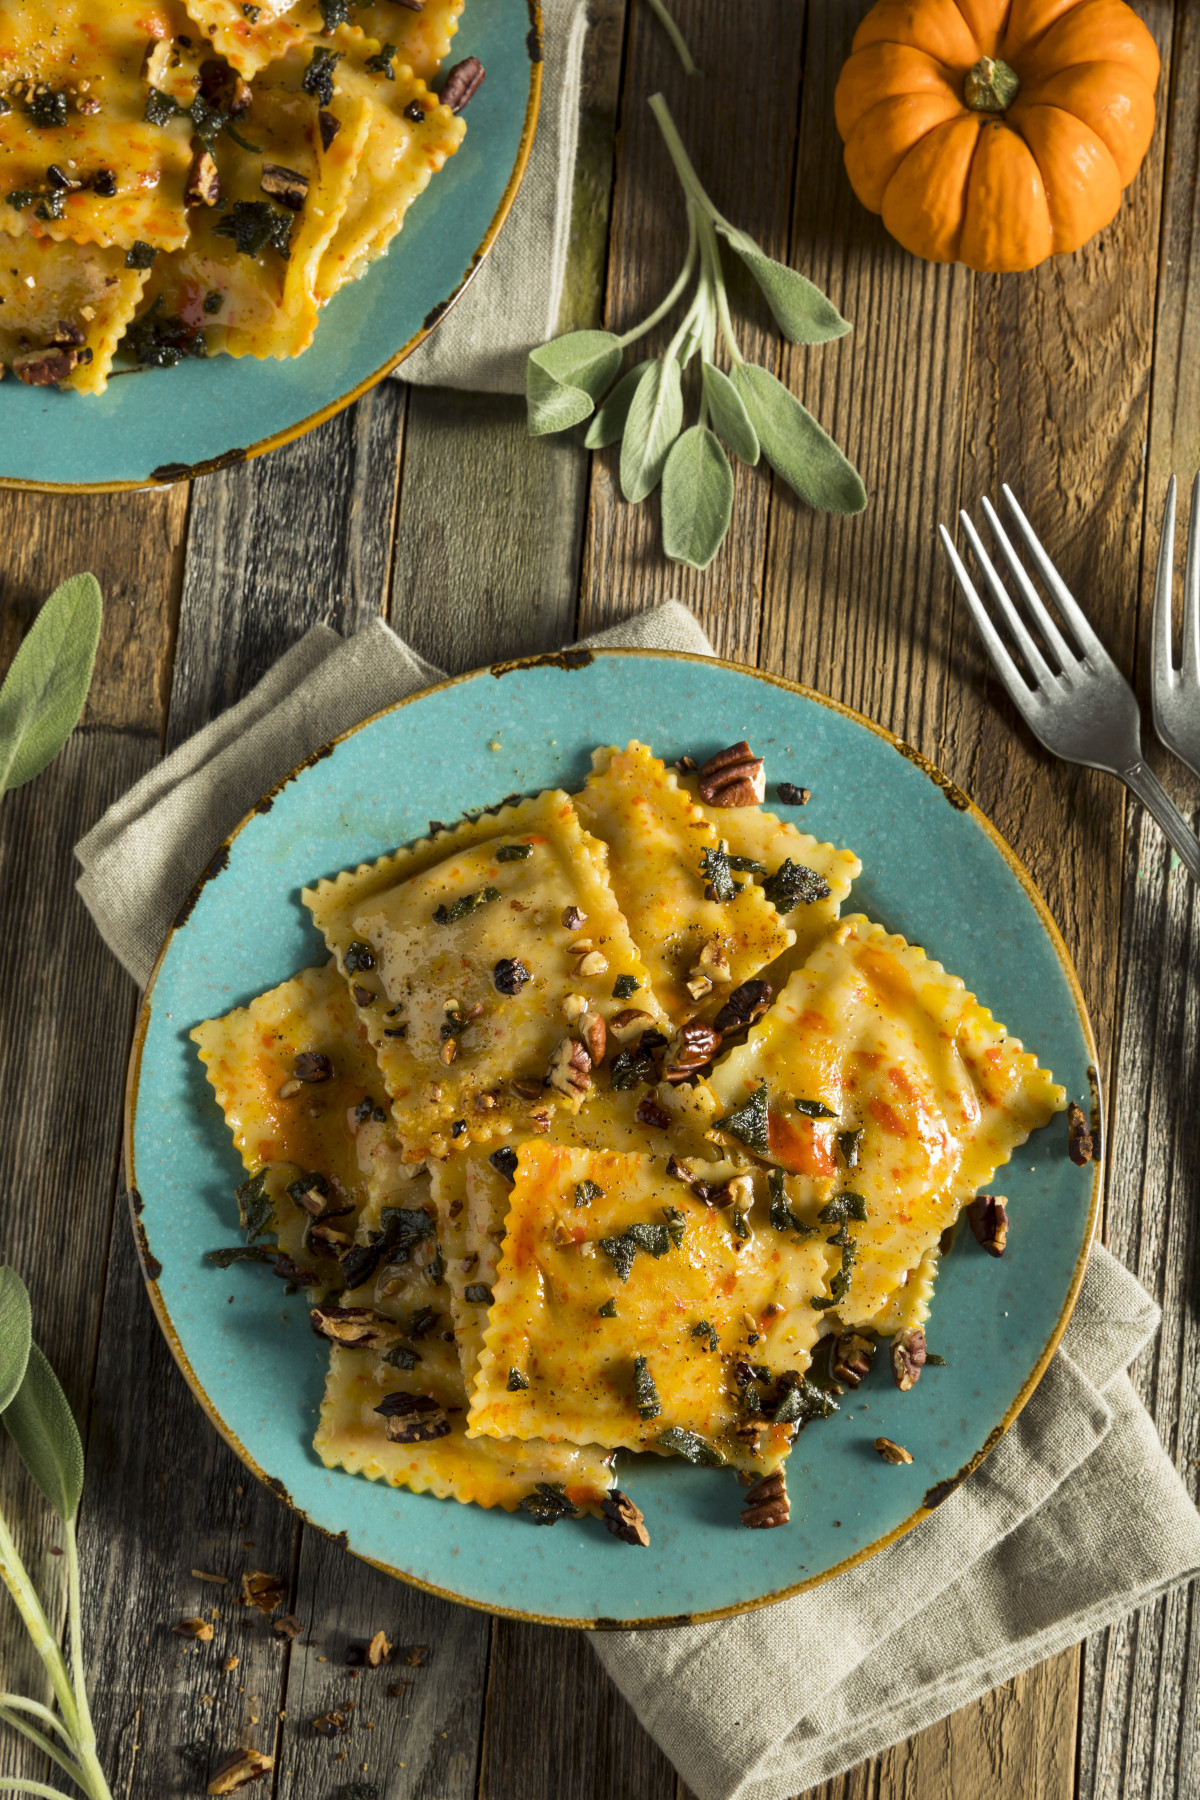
(748, 409)
(659, 9)
(48, 680)
(35, 1414)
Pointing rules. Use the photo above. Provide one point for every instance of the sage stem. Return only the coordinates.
(711, 255)
(661, 311)
(11, 1785)
(85, 1736)
(19, 1703)
(17, 1581)
(676, 36)
(43, 1743)
(680, 157)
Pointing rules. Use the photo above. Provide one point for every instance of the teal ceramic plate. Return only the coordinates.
(932, 868)
(159, 425)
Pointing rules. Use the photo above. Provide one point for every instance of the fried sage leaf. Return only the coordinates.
(691, 1445)
(749, 1123)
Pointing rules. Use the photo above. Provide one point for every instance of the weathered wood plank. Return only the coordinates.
(624, 568)
(294, 539)
(66, 1009)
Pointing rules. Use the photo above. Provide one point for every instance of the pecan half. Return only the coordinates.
(464, 79)
(594, 1033)
(747, 1003)
(890, 1452)
(624, 1519)
(766, 1503)
(695, 1047)
(989, 1222)
(570, 1070)
(203, 185)
(239, 1770)
(852, 1358)
(733, 777)
(286, 186)
(1080, 1148)
(908, 1357)
(312, 1066)
(413, 1418)
(355, 1327)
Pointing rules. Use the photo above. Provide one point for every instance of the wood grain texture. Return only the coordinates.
(66, 1008)
(624, 569)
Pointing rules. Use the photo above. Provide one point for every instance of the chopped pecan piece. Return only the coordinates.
(378, 1650)
(572, 918)
(312, 1066)
(749, 1435)
(698, 985)
(592, 962)
(695, 1047)
(510, 975)
(628, 1023)
(67, 336)
(890, 1452)
(852, 1358)
(570, 1070)
(1079, 1138)
(224, 89)
(355, 1327)
(747, 1003)
(624, 1519)
(44, 368)
(766, 1503)
(330, 125)
(156, 61)
(335, 1723)
(908, 1357)
(989, 1222)
(239, 1770)
(733, 777)
(200, 1629)
(413, 1418)
(362, 995)
(286, 186)
(650, 1113)
(464, 80)
(264, 1591)
(287, 1628)
(594, 1034)
(791, 795)
(203, 187)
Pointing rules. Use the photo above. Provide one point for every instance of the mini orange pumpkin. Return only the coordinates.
(996, 132)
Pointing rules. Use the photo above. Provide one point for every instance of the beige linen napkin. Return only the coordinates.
(513, 303)
(1076, 1517)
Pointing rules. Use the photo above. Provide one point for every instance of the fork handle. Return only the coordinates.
(1143, 782)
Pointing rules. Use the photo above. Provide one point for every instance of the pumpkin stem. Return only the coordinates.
(991, 86)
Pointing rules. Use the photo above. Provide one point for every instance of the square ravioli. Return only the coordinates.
(395, 1410)
(77, 77)
(630, 1305)
(473, 1196)
(660, 847)
(473, 957)
(808, 881)
(301, 1093)
(420, 35)
(65, 306)
(891, 1092)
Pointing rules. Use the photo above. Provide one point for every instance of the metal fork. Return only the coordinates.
(1085, 712)
(1176, 692)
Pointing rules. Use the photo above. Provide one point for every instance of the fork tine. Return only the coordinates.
(1039, 668)
(1067, 605)
(1162, 673)
(1191, 591)
(1019, 692)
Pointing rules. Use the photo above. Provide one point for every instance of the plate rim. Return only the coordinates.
(576, 656)
(437, 312)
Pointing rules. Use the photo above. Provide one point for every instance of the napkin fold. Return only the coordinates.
(513, 303)
(1077, 1516)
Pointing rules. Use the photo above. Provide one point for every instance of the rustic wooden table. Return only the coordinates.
(1078, 384)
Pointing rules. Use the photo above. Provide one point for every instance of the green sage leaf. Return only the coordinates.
(801, 310)
(47, 682)
(654, 422)
(16, 1327)
(729, 415)
(550, 405)
(796, 446)
(583, 359)
(42, 1426)
(697, 498)
(609, 423)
